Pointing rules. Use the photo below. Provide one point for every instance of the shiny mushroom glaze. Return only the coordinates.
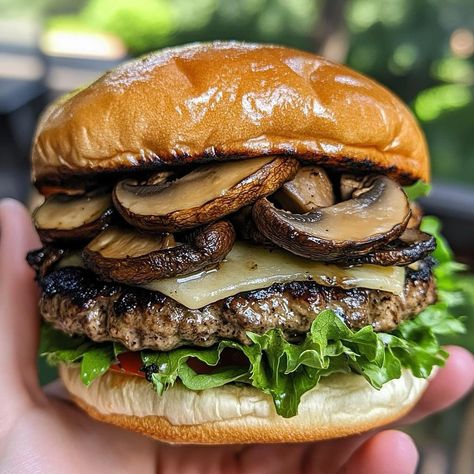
(64, 217)
(131, 257)
(379, 214)
(412, 246)
(203, 195)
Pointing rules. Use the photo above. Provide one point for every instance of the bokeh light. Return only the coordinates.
(462, 43)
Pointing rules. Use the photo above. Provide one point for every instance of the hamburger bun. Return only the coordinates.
(226, 100)
(217, 102)
(341, 405)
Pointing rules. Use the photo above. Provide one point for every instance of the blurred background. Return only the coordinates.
(421, 49)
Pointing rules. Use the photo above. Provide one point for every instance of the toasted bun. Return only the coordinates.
(225, 100)
(341, 405)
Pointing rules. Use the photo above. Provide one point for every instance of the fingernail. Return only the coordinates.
(6, 202)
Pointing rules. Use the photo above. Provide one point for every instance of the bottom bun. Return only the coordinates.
(341, 405)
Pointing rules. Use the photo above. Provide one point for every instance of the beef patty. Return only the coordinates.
(75, 301)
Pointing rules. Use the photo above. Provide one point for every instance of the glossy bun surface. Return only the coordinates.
(224, 100)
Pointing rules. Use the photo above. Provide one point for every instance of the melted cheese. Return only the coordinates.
(249, 267)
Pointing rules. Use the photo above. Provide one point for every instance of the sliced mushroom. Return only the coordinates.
(412, 246)
(309, 189)
(52, 190)
(376, 216)
(128, 256)
(202, 196)
(63, 217)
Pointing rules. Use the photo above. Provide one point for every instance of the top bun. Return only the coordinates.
(216, 101)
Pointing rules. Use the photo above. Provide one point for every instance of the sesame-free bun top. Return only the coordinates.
(223, 100)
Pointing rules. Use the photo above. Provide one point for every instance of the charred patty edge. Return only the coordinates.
(76, 301)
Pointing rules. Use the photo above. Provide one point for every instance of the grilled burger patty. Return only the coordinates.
(75, 301)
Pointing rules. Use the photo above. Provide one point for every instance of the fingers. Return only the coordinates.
(330, 456)
(273, 459)
(388, 452)
(19, 321)
(452, 382)
(384, 453)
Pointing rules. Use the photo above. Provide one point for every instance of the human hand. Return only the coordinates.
(42, 431)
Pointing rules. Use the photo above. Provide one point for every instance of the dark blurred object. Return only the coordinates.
(330, 33)
(454, 205)
(30, 78)
(21, 91)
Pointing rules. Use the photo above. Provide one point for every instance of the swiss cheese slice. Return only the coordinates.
(250, 267)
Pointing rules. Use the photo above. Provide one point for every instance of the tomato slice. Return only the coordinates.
(129, 363)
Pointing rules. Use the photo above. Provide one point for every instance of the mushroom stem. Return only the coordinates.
(309, 189)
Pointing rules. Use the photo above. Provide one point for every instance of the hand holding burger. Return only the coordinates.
(42, 431)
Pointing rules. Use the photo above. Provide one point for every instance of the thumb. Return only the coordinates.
(19, 321)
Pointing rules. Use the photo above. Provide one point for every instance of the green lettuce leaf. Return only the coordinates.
(417, 190)
(96, 362)
(283, 369)
(287, 370)
(95, 359)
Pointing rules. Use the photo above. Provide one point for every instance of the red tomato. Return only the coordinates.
(129, 363)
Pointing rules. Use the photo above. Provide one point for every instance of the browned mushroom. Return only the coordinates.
(309, 189)
(63, 217)
(52, 190)
(379, 214)
(351, 185)
(202, 196)
(413, 245)
(128, 256)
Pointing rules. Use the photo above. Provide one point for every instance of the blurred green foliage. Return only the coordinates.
(151, 24)
(404, 44)
(466, 311)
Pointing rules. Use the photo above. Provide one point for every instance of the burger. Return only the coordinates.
(232, 248)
